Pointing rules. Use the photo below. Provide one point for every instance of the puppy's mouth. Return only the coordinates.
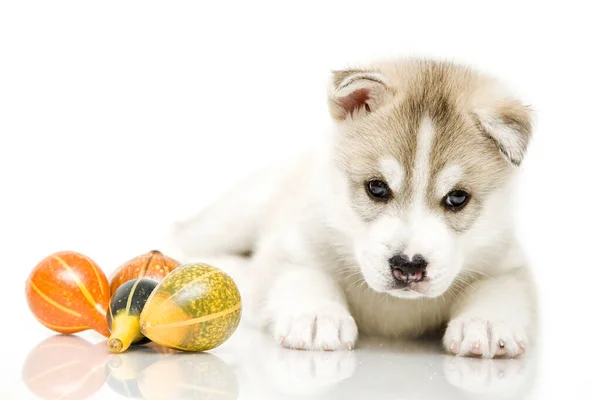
(409, 277)
(413, 282)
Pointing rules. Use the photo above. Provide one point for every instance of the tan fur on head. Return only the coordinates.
(438, 88)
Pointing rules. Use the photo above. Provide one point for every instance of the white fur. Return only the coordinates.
(512, 143)
(393, 172)
(425, 233)
(447, 179)
(421, 167)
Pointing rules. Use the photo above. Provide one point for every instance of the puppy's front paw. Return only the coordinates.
(325, 327)
(483, 338)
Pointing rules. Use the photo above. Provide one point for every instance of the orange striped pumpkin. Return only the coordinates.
(151, 265)
(68, 293)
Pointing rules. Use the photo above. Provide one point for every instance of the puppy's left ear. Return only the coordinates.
(355, 93)
(509, 125)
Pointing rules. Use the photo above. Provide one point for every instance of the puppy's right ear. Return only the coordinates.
(355, 93)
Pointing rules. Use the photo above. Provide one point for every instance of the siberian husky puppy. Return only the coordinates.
(398, 225)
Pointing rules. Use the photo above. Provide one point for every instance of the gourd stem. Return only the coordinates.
(115, 345)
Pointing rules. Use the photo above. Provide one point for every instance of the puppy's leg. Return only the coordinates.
(309, 311)
(494, 318)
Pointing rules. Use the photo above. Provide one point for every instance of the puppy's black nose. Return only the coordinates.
(406, 270)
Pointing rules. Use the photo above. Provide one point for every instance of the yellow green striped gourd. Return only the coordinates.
(196, 307)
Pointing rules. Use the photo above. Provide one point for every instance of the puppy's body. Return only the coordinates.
(364, 234)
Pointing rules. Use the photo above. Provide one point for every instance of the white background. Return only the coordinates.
(117, 118)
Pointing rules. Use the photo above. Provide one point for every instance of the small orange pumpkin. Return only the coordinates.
(152, 265)
(68, 293)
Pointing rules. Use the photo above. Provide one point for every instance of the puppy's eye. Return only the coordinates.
(378, 190)
(456, 199)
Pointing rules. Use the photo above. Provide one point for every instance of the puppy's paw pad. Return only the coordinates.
(483, 338)
(326, 330)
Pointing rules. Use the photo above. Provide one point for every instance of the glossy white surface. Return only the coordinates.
(252, 366)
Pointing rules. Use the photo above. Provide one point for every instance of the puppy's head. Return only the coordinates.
(426, 149)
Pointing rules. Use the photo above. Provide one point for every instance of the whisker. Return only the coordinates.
(359, 283)
(472, 271)
(353, 275)
(384, 245)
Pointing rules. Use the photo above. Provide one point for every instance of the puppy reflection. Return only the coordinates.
(65, 367)
(399, 369)
(309, 372)
(494, 379)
